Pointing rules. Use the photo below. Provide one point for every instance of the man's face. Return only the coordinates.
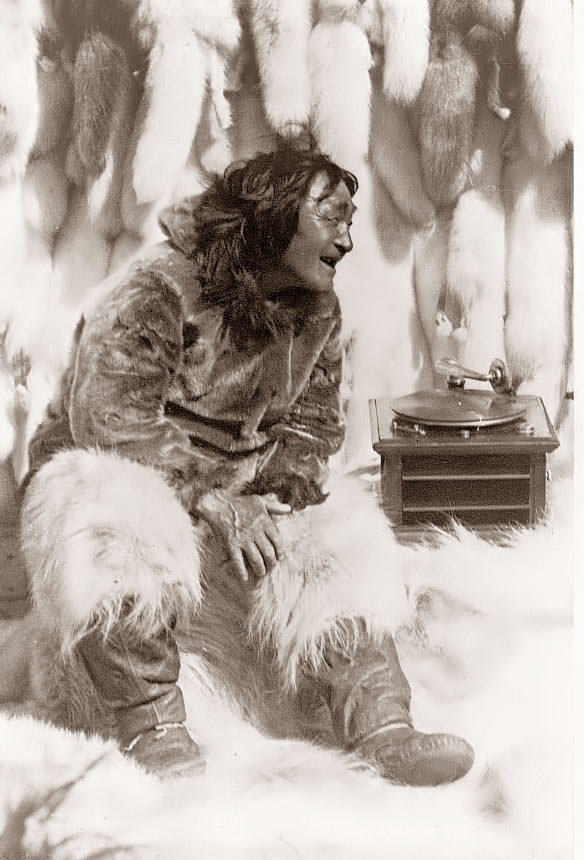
(322, 237)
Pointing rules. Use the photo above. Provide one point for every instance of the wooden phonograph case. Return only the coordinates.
(471, 455)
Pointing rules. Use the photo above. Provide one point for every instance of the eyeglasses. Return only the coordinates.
(327, 211)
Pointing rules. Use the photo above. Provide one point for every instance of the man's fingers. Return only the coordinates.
(275, 506)
(268, 551)
(275, 538)
(239, 563)
(254, 560)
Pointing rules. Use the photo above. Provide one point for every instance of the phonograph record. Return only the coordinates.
(476, 456)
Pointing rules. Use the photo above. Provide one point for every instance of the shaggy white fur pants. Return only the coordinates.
(100, 532)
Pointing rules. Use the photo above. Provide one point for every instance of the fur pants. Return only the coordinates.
(99, 531)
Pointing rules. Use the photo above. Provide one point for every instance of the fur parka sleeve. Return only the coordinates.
(309, 434)
(128, 352)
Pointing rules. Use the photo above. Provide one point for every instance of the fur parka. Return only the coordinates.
(158, 377)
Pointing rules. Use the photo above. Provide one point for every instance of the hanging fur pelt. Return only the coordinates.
(538, 276)
(430, 262)
(395, 158)
(487, 26)
(475, 276)
(339, 59)
(465, 41)
(19, 22)
(280, 30)
(545, 49)
(177, 37)
(445, 117)
(102, 111)
(405, 26)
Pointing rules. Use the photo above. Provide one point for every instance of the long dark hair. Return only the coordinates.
(244, 221)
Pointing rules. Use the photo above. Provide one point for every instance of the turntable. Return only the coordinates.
(471, 455)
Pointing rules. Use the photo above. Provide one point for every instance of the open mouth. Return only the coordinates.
(330, 262)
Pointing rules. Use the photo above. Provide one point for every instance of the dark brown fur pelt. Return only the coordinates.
(101, 79)
(445, 117)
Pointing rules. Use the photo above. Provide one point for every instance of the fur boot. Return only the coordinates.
(538, 273)
(280, 33)
(112, 560)
(339, 59)
(545, 49)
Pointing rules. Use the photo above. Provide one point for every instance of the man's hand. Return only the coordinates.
(245, 526)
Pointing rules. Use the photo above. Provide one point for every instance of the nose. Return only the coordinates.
(343, 240)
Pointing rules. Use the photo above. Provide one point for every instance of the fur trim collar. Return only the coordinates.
(249, 315)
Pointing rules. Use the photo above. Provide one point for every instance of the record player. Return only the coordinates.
(456, 453)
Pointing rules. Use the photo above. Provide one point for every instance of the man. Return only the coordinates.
(210, 374)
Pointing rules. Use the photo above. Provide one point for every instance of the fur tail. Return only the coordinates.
(176, 61)
(446, 117)
(406, 36)
(545, 49)
(280, 33)
(339, 62)
(99, 71)
(538, 276)
(396, 159)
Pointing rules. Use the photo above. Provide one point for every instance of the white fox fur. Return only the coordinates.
(377, 274)
(168, 123)
(396, 159)
(475, 276)
(341, 564)
(545, 49)
(406, 33)
(217, 153)
(19, 106)
(488, 636)
(80, 260)
(339, 61)
(178, 37)
(215, 23)
(98, 529)
(538, 269)
(280, 31)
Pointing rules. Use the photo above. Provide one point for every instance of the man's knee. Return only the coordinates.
(97, 529)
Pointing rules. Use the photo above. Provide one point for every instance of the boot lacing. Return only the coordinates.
(161, 731)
